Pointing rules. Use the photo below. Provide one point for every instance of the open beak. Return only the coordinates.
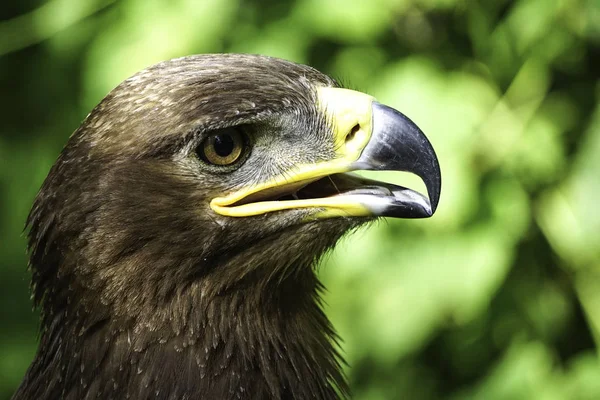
(369, 136)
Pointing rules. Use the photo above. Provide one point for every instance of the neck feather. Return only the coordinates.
(270, 341)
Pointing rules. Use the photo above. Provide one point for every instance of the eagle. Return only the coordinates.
(173, 245)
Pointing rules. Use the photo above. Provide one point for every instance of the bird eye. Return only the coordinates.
(222, 148)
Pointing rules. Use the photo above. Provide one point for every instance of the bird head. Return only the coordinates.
(190, 208)
(218, 168)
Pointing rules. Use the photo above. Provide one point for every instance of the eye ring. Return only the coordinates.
(223, 147)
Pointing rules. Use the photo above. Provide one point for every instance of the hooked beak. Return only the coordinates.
(370, 136)
(397, 144)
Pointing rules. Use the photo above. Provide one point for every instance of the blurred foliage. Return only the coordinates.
(498, 295)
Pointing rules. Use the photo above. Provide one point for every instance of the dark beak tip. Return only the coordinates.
(404, 147)
(398, 144)
(434, 190)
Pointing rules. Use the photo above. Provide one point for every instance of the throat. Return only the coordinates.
(241, 343)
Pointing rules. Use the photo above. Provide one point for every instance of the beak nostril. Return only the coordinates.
(350, 136)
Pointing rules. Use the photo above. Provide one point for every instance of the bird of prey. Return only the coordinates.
(173, 244)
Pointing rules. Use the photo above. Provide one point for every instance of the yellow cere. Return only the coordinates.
(345, 110)
(349, 113)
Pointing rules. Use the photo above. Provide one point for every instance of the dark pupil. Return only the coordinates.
(223, 145)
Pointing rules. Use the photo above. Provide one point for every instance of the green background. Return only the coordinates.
(495, 297)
